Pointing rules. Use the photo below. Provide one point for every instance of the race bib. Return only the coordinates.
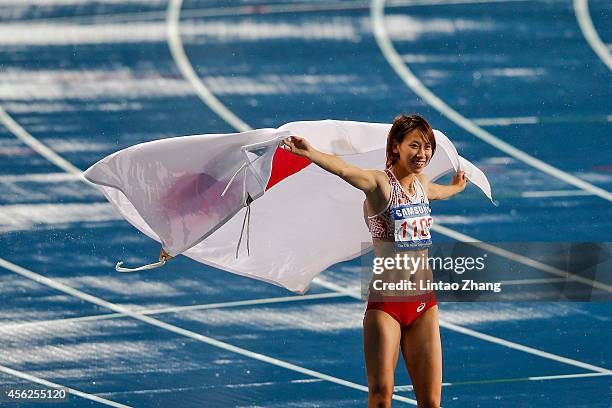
(412, 224)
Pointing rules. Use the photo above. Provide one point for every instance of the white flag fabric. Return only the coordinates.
(189, 194)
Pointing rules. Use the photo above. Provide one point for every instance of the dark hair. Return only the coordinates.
(402, 125)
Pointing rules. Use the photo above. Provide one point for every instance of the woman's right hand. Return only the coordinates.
(364, 180)
(297, 145)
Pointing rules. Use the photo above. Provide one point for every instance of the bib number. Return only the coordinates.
(412, 225)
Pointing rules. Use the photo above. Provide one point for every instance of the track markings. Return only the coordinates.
(377, 14)
(581, 9)
(184, 332)
(58, 161)
(175, 309)
(486, 337)
(261, 9)
(400, 388)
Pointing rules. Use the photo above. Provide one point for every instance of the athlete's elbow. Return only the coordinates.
(343, 173)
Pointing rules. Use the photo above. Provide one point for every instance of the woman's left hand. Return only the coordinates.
(460, 180)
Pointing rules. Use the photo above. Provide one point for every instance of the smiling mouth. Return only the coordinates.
(419, 163)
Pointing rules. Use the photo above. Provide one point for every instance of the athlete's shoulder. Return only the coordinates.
(427, 185)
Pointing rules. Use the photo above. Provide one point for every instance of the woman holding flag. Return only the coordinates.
(397, 213)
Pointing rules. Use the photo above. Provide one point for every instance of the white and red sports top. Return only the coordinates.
(383, 225)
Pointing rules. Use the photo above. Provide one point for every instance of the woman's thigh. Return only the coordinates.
(381, 341)
(422, 352)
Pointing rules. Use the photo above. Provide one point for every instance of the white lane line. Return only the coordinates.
(396, 62)
(482, 336)
(39, 177)
(520, 258)
(37, 380)
(533, 120)
(184, 332)
(16, 217)
(35, 144)
(175, 309)
(520, 120)
(555, 193)
(581, 9)
(281, 299)
(517, 379)
(178, 54)
(526, 349)
(564, 376)
(532, 281)
(500, 196)
(250, 10)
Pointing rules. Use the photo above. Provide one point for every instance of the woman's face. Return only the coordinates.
(414, 152)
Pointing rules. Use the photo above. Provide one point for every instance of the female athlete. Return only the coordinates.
(397, 213)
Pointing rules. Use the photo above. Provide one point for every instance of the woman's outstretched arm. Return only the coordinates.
(365, 180)
(441, 191)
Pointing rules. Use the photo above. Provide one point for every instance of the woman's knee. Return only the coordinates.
(429, 401)
(380, 395)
